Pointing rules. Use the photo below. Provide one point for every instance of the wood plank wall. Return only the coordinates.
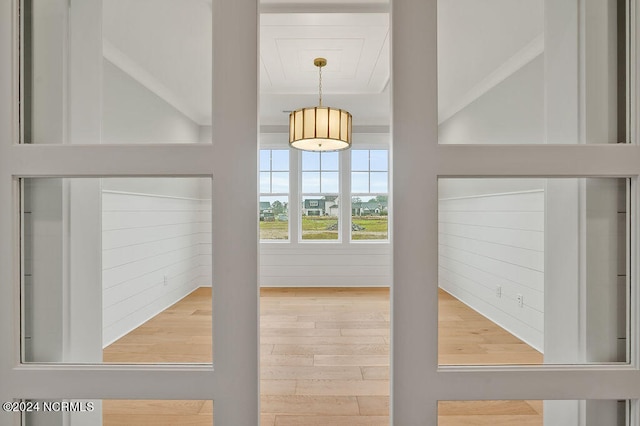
(145, 238)
(496, 240)
(325, 264)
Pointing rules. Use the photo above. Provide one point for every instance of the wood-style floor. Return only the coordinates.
(324, 360)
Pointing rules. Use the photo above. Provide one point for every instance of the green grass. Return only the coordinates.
(315, 228)
(372, 223)
(375, 228)
(276, 230)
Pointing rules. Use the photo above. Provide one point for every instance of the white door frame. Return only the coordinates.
(232, 163)
(417, 381)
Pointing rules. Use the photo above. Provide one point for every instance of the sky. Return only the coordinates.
(320, 172)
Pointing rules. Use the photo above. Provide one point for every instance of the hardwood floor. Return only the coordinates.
(324, 359)
(332, 346)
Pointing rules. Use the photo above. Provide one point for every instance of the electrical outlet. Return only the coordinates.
(166, 280)
(520, 300)
(498, 291)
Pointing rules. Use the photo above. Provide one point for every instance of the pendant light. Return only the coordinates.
(320, 128)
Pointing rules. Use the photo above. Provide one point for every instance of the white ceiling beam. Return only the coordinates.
(142, 76)
(501, 73)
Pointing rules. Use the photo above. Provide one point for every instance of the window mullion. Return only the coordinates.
(345, 195)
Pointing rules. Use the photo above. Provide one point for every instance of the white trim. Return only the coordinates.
(633, 79)
(521, 58)
(142, 76)
(141, 194)
(495, 194)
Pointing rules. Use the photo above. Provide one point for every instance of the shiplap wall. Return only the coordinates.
(325, 265)
(493, 240)
(146, 237)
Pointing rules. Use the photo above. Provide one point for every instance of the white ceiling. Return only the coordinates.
(356, 49)
(166, 45)
(477, 38)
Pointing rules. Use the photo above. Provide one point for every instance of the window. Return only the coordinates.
(310, 185)
(369, 194)
(320, 196)
(274, 194)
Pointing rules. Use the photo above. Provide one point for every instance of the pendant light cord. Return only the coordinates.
(320, 85)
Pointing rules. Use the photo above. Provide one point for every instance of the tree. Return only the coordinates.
(277, 207)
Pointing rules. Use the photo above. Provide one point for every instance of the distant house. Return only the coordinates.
(266, 213)
(369, 208)
(327, 206)
(265, 205)
(314, 207)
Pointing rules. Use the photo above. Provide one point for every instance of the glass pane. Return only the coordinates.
(131, 412)
(379, 182)
(265, 182)
(330, 182)
(330, 161)
(138, 77)
(280, 160)
(320, 216)
(533, 271)
(360, 182)
(310, 160)
(280, 182)
(135, 253)
(533, 413)
(523, 86)
(274, 218)
(265, 160)
(311, 182)
(359, 160)
(380, 160)
(369, 218)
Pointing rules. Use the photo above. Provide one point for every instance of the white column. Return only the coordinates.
(562, 201)
(234, 224)
(414, 292)
(83, 342)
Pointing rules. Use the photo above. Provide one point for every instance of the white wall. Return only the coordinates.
(145, 239)
(152, 228)
(510, 113)
(491, 231)
(325, 265)
(496, 241)
(133, 114)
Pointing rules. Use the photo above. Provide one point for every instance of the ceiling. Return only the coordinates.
(166, 46)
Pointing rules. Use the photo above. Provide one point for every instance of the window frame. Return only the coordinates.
(302, 195)
(275, 194)
(369, 194)
(369, 139)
